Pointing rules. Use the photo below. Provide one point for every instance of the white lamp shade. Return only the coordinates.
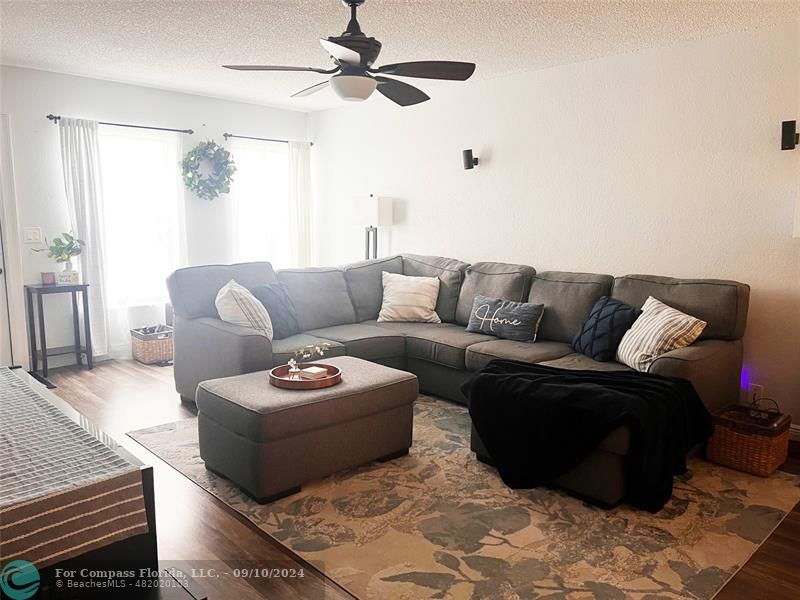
(353, 88)
(385, 216)
(379, 212)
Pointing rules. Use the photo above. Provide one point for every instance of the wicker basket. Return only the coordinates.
(750, 440)
(152, 345)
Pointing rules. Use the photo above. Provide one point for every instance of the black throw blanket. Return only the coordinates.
(538, 422)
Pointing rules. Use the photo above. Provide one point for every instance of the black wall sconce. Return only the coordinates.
(470, 162)
(789, 136)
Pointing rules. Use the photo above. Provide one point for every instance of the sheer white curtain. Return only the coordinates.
(130, 214)
(300, 208)
(80, 159)
(143, 227)
(271, 202)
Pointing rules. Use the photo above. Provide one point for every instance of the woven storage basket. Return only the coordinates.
(753, 441)
(152, 345)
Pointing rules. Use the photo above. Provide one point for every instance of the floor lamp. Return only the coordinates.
(381, 209)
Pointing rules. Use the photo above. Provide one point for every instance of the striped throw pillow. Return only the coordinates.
(408, 298)
(237, 305)
(659, 329)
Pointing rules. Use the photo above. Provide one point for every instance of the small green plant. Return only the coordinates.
(307, 352)
(63, 248)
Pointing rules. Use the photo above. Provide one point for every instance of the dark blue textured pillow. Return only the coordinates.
(602, 331)
(275, 298)
(507, 319)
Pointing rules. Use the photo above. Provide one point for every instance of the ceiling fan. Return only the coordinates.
(355, 79)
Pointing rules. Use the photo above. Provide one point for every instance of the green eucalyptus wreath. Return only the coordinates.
(218, 181)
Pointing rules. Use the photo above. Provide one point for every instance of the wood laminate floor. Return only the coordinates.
(194, 528)
(200, 531)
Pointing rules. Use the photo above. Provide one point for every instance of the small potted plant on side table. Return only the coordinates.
(63, 249)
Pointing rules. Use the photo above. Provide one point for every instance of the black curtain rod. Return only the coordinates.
(260, 139)
(55, 119)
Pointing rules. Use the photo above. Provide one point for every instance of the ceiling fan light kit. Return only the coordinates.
(353, 88)
(353, 77)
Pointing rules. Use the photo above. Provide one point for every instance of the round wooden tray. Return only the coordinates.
(279, 377)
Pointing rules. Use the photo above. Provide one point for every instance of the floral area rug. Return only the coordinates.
(439, 524)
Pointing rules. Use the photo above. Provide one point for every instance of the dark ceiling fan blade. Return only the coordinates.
(317, 87)
(278, 68)
(341, 53)
(430, 69)
(400, 92)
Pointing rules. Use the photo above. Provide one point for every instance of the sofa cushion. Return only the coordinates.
(579, 362)
(283, 350)
(721, 304)
(193, 290)
(601, 333)
(567, 299)
(320, 297)
(276, 299)
(495, 280)
(364, 283)
(482, 353)
(449, 271)
(365, 341)
(441, 343)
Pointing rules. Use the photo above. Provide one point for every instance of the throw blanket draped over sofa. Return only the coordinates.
(538, 422)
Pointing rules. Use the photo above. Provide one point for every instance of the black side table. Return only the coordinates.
(40, 290)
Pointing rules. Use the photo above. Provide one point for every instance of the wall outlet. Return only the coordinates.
(755, 392)
(31, 235)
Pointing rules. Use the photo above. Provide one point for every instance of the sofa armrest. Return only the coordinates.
(713, 366)
(207, 348)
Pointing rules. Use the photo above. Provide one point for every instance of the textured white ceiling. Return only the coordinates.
(180, 44)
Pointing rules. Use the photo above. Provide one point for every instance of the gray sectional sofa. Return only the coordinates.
(340, 305)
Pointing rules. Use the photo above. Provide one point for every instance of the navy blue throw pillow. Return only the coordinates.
(275, 298)
(601, 333)
(507, 319)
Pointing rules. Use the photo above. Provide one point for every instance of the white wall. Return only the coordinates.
(28, 95)
(664, 161)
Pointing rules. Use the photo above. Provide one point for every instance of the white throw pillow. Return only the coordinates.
(237, 305)
(659, 329)
(409, 298)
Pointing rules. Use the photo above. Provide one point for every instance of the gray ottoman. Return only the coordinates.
(269, 440)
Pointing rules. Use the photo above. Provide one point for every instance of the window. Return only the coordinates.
(142, 214)
(260, 202)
